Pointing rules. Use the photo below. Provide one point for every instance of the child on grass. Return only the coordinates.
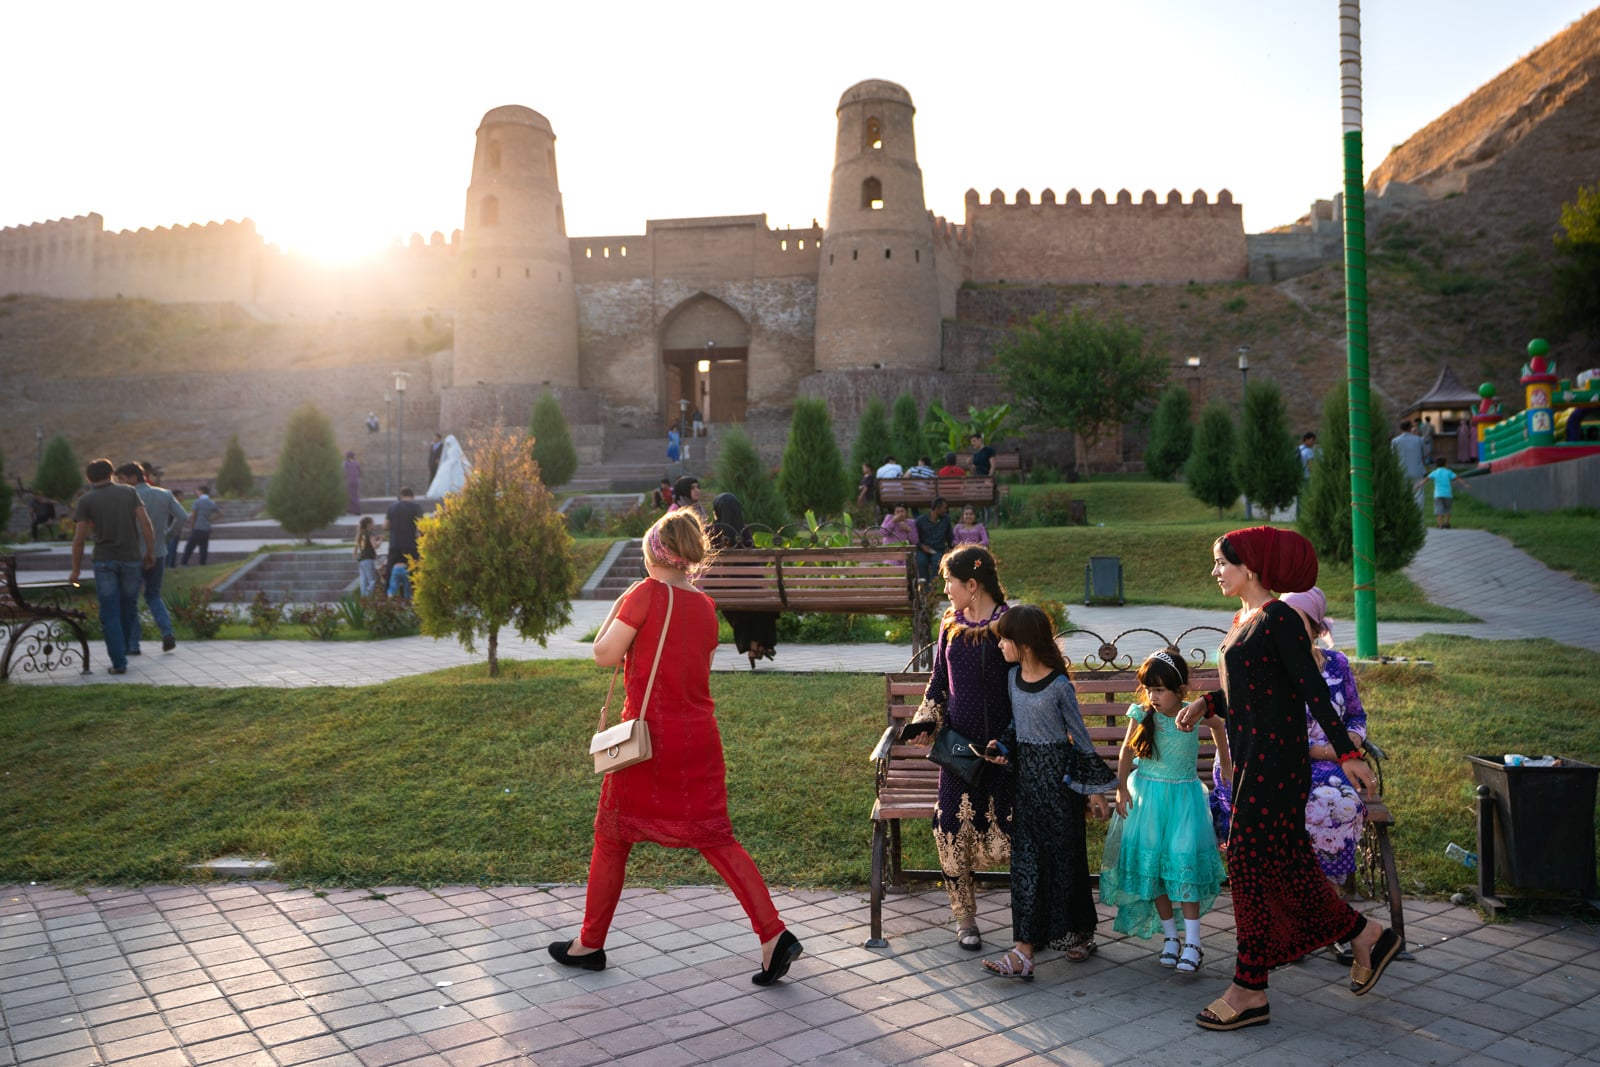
(1049, 749)
(1161, 847)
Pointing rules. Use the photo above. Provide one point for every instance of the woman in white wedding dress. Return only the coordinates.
(453, 468)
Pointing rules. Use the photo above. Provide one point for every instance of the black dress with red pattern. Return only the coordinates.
(1283, 905)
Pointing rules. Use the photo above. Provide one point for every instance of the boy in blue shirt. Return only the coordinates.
(1443, 479)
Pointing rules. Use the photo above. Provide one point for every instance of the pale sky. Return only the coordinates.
(339, 126)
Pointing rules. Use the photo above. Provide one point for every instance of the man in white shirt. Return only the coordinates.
(890, 469)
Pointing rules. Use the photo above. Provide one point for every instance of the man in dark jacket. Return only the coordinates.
(933, 539)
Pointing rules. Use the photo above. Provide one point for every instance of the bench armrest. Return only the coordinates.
(1372, 749)
(880, 751)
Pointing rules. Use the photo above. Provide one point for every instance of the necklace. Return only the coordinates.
(963, 620)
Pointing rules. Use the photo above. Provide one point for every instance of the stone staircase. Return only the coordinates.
(623, 566)
(310, 577)
(636, 465)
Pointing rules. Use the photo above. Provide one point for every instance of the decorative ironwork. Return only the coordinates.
(1109, 654)
(40, 636)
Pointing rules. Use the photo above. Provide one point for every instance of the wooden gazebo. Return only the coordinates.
(1447, 407)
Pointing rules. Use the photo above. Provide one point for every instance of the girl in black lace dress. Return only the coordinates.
(1283, 906)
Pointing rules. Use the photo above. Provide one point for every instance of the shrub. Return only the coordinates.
(1044, 474)
(320, 620)
(813, 477)
(581, 518)
(741, 472)
(235, 479)
(59, 475)
(391, 618)
(1171, 434)
(194, 610)
(307, 490)
(907, 432)
(264, 614)
(552, 442)
(1209, 471)
(873, 439)
(353, 610)
(1266, 463)
(631, 523)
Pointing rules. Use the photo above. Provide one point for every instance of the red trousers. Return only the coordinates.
(609, 862)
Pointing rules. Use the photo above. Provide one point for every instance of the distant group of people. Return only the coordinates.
(1413, 447)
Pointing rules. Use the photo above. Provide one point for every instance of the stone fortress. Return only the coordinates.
(725, 313)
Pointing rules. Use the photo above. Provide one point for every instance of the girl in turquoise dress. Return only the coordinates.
(1161, 847)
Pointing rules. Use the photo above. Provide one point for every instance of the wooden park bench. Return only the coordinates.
(1002, 463)
(920, 492)
(39, 637)
(843, 581)
(908, 784)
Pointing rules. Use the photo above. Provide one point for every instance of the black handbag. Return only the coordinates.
(955, 753)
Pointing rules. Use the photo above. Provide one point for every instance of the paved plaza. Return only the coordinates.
(258, 973)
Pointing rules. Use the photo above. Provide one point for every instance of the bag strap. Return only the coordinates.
(644, 704)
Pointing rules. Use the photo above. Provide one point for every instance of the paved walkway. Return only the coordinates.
(262, 974)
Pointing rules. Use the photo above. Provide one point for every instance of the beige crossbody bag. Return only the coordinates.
(628, 742)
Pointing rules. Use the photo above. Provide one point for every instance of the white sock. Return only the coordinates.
(1191, 931)
(1169, 927)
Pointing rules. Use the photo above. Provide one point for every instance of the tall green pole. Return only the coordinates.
(1355, 319)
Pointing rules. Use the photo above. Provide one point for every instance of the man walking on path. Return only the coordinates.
(205, 510)
(1407, 447)
(118, 520)
(166, 515)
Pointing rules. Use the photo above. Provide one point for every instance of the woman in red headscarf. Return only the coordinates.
(1283, 906)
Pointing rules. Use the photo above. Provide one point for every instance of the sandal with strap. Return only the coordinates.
(968, 938)
(1384, 950)
(1022, 969)
(1189, 963)
(1169, 954)
(1081, 948)
(1220, 1015)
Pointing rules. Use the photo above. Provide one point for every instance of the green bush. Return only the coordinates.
(1266, 462)
(873, 439)
(354, 611)
(581, 519)
(194, 610)
(307, 490)
(320, 620)
(552, 442)
(741, 472)
(1171, 434)
(391, 617)
(235, 479)
(813, 477)
(59, 475)
(264, 614)
(1209, 471)
(1044, 474)
(907, 431)
(631, 523)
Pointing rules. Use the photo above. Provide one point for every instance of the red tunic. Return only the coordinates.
(679, 796)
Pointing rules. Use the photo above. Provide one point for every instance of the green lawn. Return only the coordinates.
(453, 778)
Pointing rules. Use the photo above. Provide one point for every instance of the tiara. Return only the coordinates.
(1168, 660)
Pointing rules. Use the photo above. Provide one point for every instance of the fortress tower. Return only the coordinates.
(877, 287)
(516, 312)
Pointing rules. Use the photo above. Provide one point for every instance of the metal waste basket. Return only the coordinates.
(1102, 579)
(1535, 826)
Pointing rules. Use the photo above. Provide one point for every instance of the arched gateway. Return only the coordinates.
(705, 351)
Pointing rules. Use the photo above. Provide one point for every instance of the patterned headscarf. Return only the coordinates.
(1313, 603)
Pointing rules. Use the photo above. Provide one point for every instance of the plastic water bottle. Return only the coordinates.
(1461, 855)
(1515, 759)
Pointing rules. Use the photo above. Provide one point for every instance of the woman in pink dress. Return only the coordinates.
(969, 531)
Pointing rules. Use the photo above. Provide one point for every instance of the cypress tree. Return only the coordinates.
(906, 434)
(1209, 471)
(812, 478)
(1399, 529)
(873, 440)
(60, 475)
(741, 472)
(1171, 435)
(307, 490)
(235, 479)
(1266, 462)
(552, 442)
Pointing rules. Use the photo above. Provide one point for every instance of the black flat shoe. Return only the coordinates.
(784, 953)
(589, 961)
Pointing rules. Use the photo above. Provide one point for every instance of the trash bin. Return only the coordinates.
(1543, 832)
(1102, 579)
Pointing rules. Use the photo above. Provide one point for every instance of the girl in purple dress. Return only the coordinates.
(968, 690)
(969, 531)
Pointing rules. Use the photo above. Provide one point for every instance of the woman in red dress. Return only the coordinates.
(1283, 907)
(679, 796)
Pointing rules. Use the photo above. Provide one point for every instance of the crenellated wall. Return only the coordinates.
(1106, 242)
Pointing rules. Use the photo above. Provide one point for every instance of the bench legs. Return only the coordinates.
(1381, 875)
(879, 860)
(41, 645)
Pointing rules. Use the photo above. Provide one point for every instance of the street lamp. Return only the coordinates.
(1244, 387)
(388, 443)
(400, 377)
